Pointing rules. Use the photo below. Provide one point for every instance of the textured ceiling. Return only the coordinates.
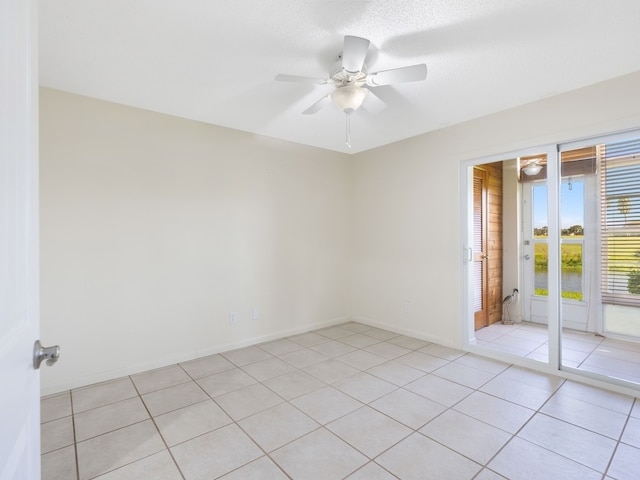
(215, 61)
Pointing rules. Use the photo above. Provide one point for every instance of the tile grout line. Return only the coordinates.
(412, 430)
(235, 422)
(515, 434)
(619, 441)
(451, 408)
(75, 442)
(360, 370)
(320, 425)
(153, 420)
(139, 396)
(540, 412)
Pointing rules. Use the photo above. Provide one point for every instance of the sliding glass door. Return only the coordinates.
(604, 339)
(552, 267)
(507, 246)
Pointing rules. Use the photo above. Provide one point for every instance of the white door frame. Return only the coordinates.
(466, 201)
(466, 229)
(19, 278)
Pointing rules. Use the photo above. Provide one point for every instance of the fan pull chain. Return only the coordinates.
(348, 130)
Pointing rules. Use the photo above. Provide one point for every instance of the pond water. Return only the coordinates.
(571, 280)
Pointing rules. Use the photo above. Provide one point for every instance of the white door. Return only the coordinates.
(577, 217)
(19, 316)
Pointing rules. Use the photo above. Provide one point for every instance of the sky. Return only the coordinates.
(571, 204)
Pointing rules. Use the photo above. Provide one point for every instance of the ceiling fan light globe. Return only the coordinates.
(532, 169)
(349, 98)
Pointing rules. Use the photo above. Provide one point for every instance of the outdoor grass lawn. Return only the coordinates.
(571, 261)
(623, 257)
(571, 256)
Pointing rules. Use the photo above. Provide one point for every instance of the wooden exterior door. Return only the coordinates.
(480, 244)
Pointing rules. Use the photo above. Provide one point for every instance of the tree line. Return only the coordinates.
(572, 230)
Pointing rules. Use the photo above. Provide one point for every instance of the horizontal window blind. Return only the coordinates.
(620, 222)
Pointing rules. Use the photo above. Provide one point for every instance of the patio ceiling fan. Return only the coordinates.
(352, 81)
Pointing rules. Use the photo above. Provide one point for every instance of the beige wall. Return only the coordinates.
(407, 203)
(155, 228)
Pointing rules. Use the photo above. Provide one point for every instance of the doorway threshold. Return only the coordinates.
(583, 351)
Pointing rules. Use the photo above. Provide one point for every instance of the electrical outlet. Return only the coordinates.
(256, 314)
(407, 307)
(233, 318)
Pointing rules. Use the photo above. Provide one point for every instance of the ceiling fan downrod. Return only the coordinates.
(348, 129)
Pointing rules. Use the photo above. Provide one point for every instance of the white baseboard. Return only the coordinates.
(445, 342)
(106, 375)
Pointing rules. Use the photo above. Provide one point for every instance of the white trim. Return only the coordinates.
(509, 155)
(554, 304)
(84, 380)
(606, 138)
(445, 342)
(466, 290)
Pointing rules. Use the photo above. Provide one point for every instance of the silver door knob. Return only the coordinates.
(40, 353)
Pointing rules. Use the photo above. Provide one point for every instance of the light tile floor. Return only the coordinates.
(346, 402)
(584, 351)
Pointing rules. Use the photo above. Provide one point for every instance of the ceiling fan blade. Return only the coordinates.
(354, 53)
(413, 73)
(318, 105)
(298, 79)
(373, 103)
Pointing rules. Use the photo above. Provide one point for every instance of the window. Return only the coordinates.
(540, 238)
(620, 222)
(572, 237)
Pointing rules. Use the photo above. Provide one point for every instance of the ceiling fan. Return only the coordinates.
(352, 80)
